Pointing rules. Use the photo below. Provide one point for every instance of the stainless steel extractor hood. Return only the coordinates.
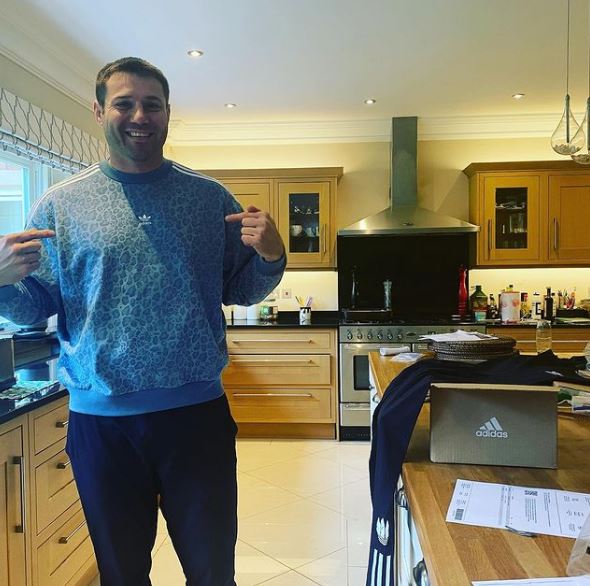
(404, 215)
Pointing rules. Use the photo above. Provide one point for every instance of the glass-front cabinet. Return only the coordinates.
(305, 223)
(511, 219)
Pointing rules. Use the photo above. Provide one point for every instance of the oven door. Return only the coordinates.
(354, 371)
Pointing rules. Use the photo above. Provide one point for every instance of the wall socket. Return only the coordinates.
(286, 294)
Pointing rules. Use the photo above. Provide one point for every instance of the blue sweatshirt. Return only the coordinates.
(137, 273)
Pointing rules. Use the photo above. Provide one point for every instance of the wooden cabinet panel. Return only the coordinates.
(563, 339)
(50, 427)
(569, 210)
(256, 194)
(65, 552)
(13, 570)
(277, 369)
(280, 405)
(55, 489)
(279, 341)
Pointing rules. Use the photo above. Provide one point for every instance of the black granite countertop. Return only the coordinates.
(533, 324)
(290, 319)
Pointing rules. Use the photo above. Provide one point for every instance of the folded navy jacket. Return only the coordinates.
(395, 417)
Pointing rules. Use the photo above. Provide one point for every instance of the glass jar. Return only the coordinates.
(479, 304)
(543, 336)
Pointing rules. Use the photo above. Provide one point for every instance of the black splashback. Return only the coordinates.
(423, 269)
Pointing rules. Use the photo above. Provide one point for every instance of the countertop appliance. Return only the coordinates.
(356, 340)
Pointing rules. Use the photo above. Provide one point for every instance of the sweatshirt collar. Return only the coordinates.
(147, 177)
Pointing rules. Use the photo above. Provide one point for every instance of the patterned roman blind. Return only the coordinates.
(27, 130)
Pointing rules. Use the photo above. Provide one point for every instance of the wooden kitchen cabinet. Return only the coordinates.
(564, 339)
(282, 382)
(14, 565)
(530, 214)
(302, 203)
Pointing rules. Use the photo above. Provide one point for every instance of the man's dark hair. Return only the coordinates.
(133, 65)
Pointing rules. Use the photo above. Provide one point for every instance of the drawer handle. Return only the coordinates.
(63, 465)
(276, 341)
(270, 395)
(67, 538)
(20, 462)
(61, 424)
(273, 362)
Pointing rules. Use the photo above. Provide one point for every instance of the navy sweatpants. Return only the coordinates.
(184, 456)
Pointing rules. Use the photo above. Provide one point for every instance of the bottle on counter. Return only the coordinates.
(510, 306)
(479, 304)
(525, 308)
(537, 306)
(548, 306)
(492, 308)
(462, 296)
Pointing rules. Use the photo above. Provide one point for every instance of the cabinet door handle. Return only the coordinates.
(63, 465)
(489, 236)
(61, 424)
(20, 462)
(555, 234)
(270, 395)
(67, 538)
(323, 239)
(400, 498)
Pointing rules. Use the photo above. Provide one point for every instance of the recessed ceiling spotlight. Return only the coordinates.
(370, 101)
(194, 53)
(230, 105)
(518, 96)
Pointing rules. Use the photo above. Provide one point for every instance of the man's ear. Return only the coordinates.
(98, 111)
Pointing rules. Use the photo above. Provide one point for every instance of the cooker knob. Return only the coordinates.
(359, 335)
(389, 336)
(369, 335)
(349, 335)
(399, 337)
(380, 335)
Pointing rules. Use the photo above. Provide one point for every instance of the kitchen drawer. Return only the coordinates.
(273, 369)
(50, 427)
(279, 341)
(563, 339)
(55, 489)
(277, 405)
(64, 553)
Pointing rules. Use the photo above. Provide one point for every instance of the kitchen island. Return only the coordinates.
(454, 554)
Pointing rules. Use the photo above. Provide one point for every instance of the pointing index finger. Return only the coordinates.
(34, 234)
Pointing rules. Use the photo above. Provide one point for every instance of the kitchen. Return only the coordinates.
(451, 136)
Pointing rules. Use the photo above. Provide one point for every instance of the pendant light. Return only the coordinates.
(562, 139)
(583, 156)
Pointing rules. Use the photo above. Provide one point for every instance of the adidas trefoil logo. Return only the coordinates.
(144, 220)
(492, 428)
(382, 528)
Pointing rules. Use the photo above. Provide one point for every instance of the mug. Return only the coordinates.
(305, 315)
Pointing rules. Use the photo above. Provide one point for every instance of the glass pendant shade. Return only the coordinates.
(563, 140)
(583, 156)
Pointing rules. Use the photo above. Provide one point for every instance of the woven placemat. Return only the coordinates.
(477, 349)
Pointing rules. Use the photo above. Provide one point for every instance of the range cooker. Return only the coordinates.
(356, 340)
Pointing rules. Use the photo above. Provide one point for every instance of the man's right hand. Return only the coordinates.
(20, 254)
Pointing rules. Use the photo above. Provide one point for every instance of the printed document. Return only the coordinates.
(535, 510)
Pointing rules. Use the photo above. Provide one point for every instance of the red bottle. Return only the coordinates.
(462, 297)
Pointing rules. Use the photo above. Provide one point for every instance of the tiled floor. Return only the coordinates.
(304, 513)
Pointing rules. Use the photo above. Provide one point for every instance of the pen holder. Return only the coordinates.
(305, 315)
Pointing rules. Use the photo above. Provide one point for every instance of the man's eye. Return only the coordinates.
(123, 105)
(153, 107)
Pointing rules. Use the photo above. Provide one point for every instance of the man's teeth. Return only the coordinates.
(138, 133)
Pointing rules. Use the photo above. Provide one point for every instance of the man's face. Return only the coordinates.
(135, 121)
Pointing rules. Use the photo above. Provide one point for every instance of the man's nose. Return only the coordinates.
(139, 114)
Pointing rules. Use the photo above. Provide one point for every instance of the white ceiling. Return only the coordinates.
(311, 62)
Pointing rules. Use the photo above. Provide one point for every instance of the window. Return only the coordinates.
(22, 183)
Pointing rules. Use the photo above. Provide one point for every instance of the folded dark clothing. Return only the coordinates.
(395, 418)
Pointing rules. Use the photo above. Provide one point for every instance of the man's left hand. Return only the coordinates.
(260, 232)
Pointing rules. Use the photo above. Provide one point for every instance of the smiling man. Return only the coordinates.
(135, 255)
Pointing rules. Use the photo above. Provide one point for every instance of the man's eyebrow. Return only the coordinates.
(129, 97)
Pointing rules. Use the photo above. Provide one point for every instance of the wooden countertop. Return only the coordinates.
(457, 554)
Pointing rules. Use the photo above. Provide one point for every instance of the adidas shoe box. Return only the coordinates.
(500, 425)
